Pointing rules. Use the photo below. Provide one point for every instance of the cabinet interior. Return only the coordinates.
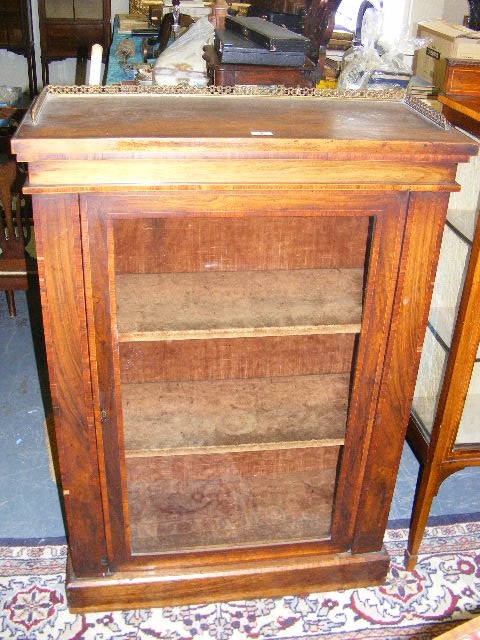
(236, 343)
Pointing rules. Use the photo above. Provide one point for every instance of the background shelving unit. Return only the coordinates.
(16, 35)
(69, 28)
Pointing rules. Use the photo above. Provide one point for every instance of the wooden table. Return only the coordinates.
(247, 74)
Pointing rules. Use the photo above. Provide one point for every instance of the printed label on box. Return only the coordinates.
(433, 53)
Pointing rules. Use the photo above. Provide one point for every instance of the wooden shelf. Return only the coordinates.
(215, 304)
(173, 416)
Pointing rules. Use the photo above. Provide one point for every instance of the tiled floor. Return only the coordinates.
(29, 503)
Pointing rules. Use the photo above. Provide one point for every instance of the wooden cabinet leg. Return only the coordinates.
(426, 490)
(11, 303)
(45, 73)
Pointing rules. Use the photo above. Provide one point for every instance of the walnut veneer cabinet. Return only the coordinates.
(235, 291)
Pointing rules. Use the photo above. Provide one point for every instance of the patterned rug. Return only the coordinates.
(443, 590)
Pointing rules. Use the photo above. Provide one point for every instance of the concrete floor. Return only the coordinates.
(29, 501)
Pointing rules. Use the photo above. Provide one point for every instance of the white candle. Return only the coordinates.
(95, 64)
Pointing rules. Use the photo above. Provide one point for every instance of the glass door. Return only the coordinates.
(236, 341)
(229, 350)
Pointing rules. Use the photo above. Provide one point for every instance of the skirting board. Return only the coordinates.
(252, 579)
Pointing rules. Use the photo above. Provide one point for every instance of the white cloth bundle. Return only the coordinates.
(182, 61)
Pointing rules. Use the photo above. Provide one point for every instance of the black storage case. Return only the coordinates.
(232, 48)
(268, 35)
(292, 21)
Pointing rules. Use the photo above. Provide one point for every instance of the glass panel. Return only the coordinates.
(464, 211)
(429, 380)
(235, 367)
(88, 9)
(453, 261)
(61, 9)
(469, 428)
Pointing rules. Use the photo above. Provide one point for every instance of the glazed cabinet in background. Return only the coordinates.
(444, 425)
(69, 29)
(233, 314)
(16, 34)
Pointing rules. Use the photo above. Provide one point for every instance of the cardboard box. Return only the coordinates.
(447, 40)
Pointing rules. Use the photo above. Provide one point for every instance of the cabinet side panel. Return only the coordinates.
(61, 283)
(385, 250)
(423, 233)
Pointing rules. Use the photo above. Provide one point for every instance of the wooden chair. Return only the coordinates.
(13, 266)
(164, 34)
(319, 24)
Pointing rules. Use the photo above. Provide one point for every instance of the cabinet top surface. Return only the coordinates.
(77, 124)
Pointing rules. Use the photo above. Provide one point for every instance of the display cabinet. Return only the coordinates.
(235, 289)
(444, 429)
(69, 28)
(16, 35)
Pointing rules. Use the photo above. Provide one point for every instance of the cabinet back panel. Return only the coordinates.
(241, 498)
(155, 245)
(235, 358)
